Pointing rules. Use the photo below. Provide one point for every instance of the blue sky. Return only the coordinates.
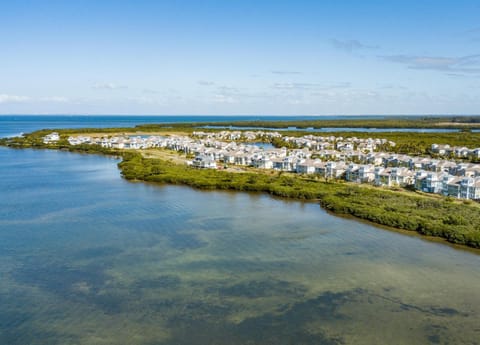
(240, 57)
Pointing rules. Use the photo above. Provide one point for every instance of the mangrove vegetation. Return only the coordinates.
(456, 221)
(433, 215)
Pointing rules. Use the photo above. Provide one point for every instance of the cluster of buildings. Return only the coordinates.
(51, 138)
(311, 142)
(455, 151)
(353, 159)
(236, 135)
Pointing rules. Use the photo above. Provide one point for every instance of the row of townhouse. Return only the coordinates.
(204, 162)
(214, 139)
(460, 180)
(380, 176)
(249, 155)
(237, 135)
(233, 153)
(338, 143)
(312, 142)
(458, 186)
(51, 138)
(456, 151)
(415, 163)
(240, 153)
(463, 187)
(126, 142)
(308, 141)
(223, 135)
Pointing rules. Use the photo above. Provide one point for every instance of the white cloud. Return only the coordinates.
(351, 45)
(145, 100)
(205, 82)
(392, 87)
(13, 99)
(150, 91)
(225, 89)
(109, 86)
(346, 95)
(309, 86)
(463, 64)
(285, 72)
(24, 99)
(54, 99)
(220, 98)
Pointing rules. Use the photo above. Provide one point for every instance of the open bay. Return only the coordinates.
(89, 258)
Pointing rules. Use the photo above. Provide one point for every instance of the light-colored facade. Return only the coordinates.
(353, 159)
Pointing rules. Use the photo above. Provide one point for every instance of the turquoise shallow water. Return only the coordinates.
(89, 258)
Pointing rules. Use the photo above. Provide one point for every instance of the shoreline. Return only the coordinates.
(453, 222)
(346, 204)
(431, 239)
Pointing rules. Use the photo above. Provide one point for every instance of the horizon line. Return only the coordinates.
(238, 115)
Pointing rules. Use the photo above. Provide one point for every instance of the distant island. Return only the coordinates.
(428, 182)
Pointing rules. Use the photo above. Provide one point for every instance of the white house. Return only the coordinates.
(51, 138)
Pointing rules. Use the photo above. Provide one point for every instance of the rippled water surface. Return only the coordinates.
(88, 258)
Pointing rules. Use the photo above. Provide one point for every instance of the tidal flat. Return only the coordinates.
(89, 258)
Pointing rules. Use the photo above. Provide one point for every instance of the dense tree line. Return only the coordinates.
(386, 122)
(457, 222)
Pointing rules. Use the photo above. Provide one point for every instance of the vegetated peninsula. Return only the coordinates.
(423, 182)
(425, 122)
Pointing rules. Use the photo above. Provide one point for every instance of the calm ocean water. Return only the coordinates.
(15, 124)
(12, 125)
(89, 258)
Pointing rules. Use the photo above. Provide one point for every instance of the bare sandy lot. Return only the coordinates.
(463, 124)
